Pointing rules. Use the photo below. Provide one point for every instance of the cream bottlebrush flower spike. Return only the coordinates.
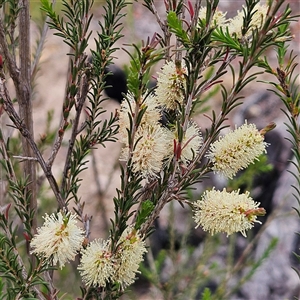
(171, 82)
(235, 25)
(97, 264)
(220, 211)
(219, 18)
(151, 116)
(59, 238)
(129, 255)
(236, 150)
(153, 144)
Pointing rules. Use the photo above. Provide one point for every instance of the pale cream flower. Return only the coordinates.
(97, 264)
(129, 255)
(153, 144)
(220, 211)
(237, 150)
(191, 143)
(219, 17)
(235, 25)
(59, 238)
(171, 82)
(151, 116)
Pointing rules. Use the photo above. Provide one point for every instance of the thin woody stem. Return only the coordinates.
(19, 124)
(22, 82)
(25, 104)
(75, 128)
(195, 18)
(34, 67)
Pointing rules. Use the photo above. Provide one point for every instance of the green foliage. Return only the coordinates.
(142, 61)
(11, 9)
(206, 295)
(18, 191)
(176, 27)
(146, 209)
(246, 178)
(17, 282)
(73, 30)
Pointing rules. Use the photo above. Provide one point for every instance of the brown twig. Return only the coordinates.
(19, 124)
(158, 19)
(22, 82)
(40, 46)
(75, 127)
(68, 103)
(195, 18)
